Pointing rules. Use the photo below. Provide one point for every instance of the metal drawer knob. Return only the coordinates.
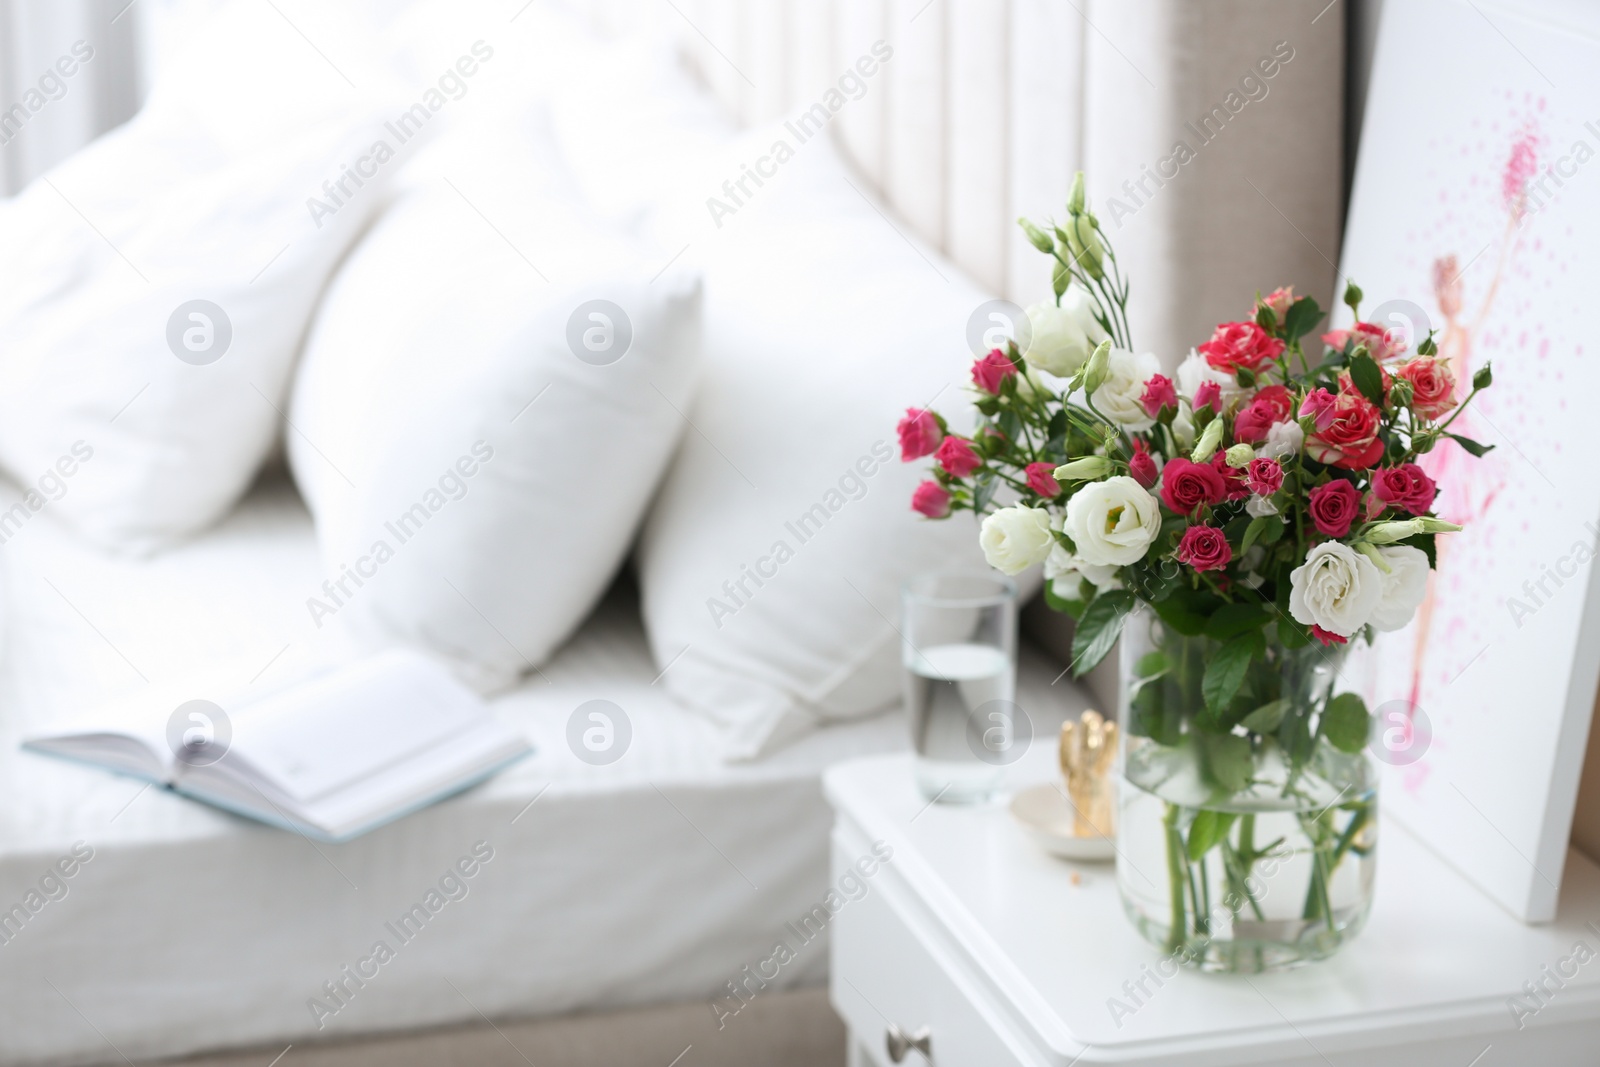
(898, 1042)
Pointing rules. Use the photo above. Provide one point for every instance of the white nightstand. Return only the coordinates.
(969, 931)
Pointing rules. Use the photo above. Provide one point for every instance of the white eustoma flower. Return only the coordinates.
(1404, 587)
(1260, 507)
(1061, 338)
(1063, 567)
(1016, 538)
(1112, 522)
(1284, 439)
(1336, 588)
(1183, 429)
(1194, 369)
(1118, 395)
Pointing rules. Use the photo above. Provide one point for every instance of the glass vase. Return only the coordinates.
(1247, 836)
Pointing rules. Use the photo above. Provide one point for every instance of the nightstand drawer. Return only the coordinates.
(887, 973)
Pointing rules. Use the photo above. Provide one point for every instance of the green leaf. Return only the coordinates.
(1074, 608)
(1367, 377)
(1099, 629)
(987, 483)
(1152, 665)
(1257, 527)
(1186, 610)
(1303, 316)
(1207, 831)
(1227, 761)
(1274, 532)
(1267, 718)
(1345, 723)
(1231, 620)
(1225, 673)
(1476, 448)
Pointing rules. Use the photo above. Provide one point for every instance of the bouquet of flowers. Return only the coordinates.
(1265, 499)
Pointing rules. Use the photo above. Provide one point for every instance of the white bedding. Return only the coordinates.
(654, 879)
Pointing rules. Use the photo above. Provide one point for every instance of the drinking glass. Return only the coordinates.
(959, 648)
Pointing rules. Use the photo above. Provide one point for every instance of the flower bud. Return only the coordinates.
(1084, 243)
(1387, 533)
(1352, 296)
(1239, 456)
(1085, 469)
(1483, 377)
(1400, 393)
(1037, 237)
(1210, 438)
(1094, 372)
(1436, 526)
(1075, 199)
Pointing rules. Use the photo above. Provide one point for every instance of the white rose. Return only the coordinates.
(1118, 396)
(1336, 588)
(1284, 439)
(1194, 370)
(1061, 338)
(1062, 566)
(1404, 587)
(1260, 507)
(1112, 522)
(1016, 538)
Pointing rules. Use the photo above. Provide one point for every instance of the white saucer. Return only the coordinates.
(1047, 817)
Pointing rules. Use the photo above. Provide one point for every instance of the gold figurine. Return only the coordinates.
(1088, 749)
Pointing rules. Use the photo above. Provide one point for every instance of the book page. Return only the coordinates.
(352, 724)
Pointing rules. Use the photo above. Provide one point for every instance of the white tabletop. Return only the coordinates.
(1437, 958)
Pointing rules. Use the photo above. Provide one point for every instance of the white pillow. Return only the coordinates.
(476, 473)
(772, 560)
(154, 289)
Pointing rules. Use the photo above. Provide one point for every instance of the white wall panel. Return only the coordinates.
(978, 129)
(915, 136)
(860, 127)
(1047, 43)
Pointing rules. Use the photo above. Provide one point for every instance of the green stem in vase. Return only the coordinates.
(1175, 879)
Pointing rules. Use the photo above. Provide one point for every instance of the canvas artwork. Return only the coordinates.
(1482, 218)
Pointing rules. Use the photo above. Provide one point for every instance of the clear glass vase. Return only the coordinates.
(1247, 837)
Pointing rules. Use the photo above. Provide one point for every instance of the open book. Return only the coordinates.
(332, 756)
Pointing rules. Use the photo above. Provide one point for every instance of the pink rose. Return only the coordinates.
(1433, 387)
(991, 370)
(919, 434)
(1207, 394)
(1143, 465)
(1158, 393)
(1328, 637)
(1205, 548)
(931, 499)
(1185, 485)
(1279, 301)
(1233, 479)
(1347, 432)
(1407, 487)
(1264, 476)
(1381, 344)
(1319, 405)
(1271, 405)
(1041, 479)
(1333, 507)
(957, 457)
(1240, 346)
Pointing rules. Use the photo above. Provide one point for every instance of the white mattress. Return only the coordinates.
(654, 879)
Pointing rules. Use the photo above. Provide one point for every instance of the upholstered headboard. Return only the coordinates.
(988, 106)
